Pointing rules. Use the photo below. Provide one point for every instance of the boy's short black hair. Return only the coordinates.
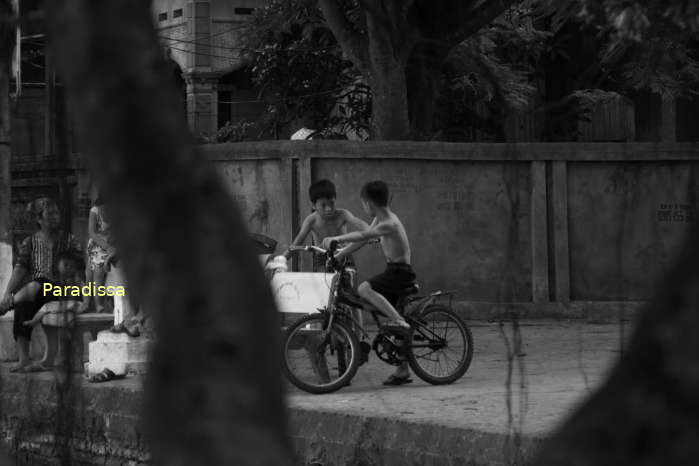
(376, 192)
(322, 189)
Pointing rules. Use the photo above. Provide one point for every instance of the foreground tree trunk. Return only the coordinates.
(214, 392)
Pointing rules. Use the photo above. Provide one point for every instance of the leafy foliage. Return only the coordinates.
(304, 76)
(488, 75)
(649, 45)
(301, 72)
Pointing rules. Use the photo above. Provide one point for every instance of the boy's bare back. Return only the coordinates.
(394, 239)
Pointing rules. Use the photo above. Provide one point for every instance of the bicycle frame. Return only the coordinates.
(422, 302)
(331, 309)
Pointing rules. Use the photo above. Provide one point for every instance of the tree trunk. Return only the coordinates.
(389, 104)
(423, 72)
(7, 40)
(214, 391)
(389, 89)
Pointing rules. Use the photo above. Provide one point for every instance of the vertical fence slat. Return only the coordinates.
(539, 233)
(305, 177)
(561, 256)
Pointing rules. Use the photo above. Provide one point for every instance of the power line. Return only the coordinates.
(248, 49)
(202, 54)
(205, 54)
(288, 99)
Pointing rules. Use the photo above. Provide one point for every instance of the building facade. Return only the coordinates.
(202, 40)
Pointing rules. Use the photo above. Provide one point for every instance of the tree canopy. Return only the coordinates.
(434, 68)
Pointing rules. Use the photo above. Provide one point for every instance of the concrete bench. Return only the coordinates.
(84, 331)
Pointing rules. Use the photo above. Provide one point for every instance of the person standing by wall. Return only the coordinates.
(98, 249)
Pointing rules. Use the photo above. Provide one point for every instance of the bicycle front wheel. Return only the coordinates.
(442, 346)
(319, 359)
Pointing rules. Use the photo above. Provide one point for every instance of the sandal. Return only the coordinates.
(395, 380)
(132, 333)
(118, 328)
(105, 376)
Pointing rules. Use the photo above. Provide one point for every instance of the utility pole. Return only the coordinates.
(7, 41)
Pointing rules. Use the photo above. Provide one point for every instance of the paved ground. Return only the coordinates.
(563, 361)
(416, 424)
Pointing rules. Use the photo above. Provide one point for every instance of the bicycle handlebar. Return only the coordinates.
(319, 250)
(307, 249)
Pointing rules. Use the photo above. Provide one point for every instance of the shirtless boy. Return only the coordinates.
(383, 290)
(325, 221)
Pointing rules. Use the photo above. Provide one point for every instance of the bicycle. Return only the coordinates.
(332, 334)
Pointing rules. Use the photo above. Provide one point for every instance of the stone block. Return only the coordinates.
(85, 330)
(118, 352)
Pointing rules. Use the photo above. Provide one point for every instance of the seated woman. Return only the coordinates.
(36, 265)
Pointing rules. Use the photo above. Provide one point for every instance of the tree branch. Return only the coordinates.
(404, 35)
(353, 44)
(481, 16)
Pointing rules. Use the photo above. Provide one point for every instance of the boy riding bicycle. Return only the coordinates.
(383, 290)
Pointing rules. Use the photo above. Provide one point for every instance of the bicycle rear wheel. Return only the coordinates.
(442, 346)
(320, 360)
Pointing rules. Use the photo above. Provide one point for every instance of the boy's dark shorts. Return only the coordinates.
(393, 281)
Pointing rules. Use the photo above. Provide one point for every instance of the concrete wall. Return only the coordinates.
(626, 221)
(564, 228)
(446, 206)
(263, 191)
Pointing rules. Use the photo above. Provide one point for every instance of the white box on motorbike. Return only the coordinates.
(301, 292)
